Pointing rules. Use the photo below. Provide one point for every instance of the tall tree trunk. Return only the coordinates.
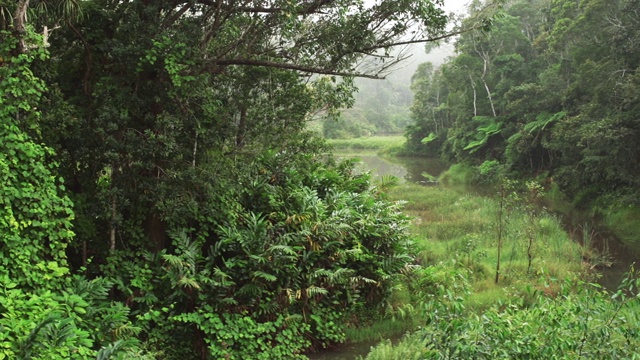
(485, 58)
(20, 24)
(475, 97)
(112, 231)
(241, 128)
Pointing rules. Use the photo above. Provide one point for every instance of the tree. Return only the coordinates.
(428, 111)
(549, 91)
(179, 127)
(155, 90)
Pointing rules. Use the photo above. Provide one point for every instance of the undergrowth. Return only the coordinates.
(455, 238)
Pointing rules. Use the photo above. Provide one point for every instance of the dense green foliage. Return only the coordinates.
(540, 309)
(159, 196)
(579, 321)
(46, 313)
(551, 89)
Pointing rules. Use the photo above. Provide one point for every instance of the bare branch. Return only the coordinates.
(296, 67)
(419, 41)
(311, 8)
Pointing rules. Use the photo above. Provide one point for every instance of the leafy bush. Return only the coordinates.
(291, 251)
(458, 174)
(579, 321)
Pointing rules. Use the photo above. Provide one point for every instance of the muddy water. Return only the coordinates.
(612, 258)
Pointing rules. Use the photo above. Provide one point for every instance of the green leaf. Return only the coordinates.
(432, 136)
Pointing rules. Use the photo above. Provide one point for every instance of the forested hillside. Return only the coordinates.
(550, 92)
(159, 195)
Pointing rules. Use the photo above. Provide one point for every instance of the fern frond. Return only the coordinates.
(125, 331)
(315, 290)
(258, 259)
(173, 260)
(291, 295)
(284, 249)
(249, 290)
(264, 275)
(106, 352)
(188, 282)
(293, 319)
(361, 280)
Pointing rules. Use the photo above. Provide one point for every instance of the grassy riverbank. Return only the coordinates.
(372, 143)
(460, 232)
(456, 246)
(540, 307)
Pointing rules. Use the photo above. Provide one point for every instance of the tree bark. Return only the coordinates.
(475, 97)
(112, 231)
(20, 24)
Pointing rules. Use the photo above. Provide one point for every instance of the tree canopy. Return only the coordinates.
(184, 211)
(548, 91)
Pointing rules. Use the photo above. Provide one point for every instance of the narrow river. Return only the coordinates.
(617, 258)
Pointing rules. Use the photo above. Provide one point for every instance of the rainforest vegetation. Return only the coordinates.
(162, 198)
(159, 194)
(551, 92)
(548, 96)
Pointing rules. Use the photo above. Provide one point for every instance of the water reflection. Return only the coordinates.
(418, 170)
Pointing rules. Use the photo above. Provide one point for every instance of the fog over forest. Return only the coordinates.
(381, 106)
(162, 195)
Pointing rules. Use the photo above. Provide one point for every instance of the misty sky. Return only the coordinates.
(455, 5)
(401, 75)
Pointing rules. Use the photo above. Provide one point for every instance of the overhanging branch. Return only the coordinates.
(296, 67)
(311, 7)
(418, 41)
(329, 71)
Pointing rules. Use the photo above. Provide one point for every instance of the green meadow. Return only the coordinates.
(372, 143)
(543, 304)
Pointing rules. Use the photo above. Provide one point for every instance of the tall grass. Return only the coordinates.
(456, 243)
(452, 226)
(534, 313)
